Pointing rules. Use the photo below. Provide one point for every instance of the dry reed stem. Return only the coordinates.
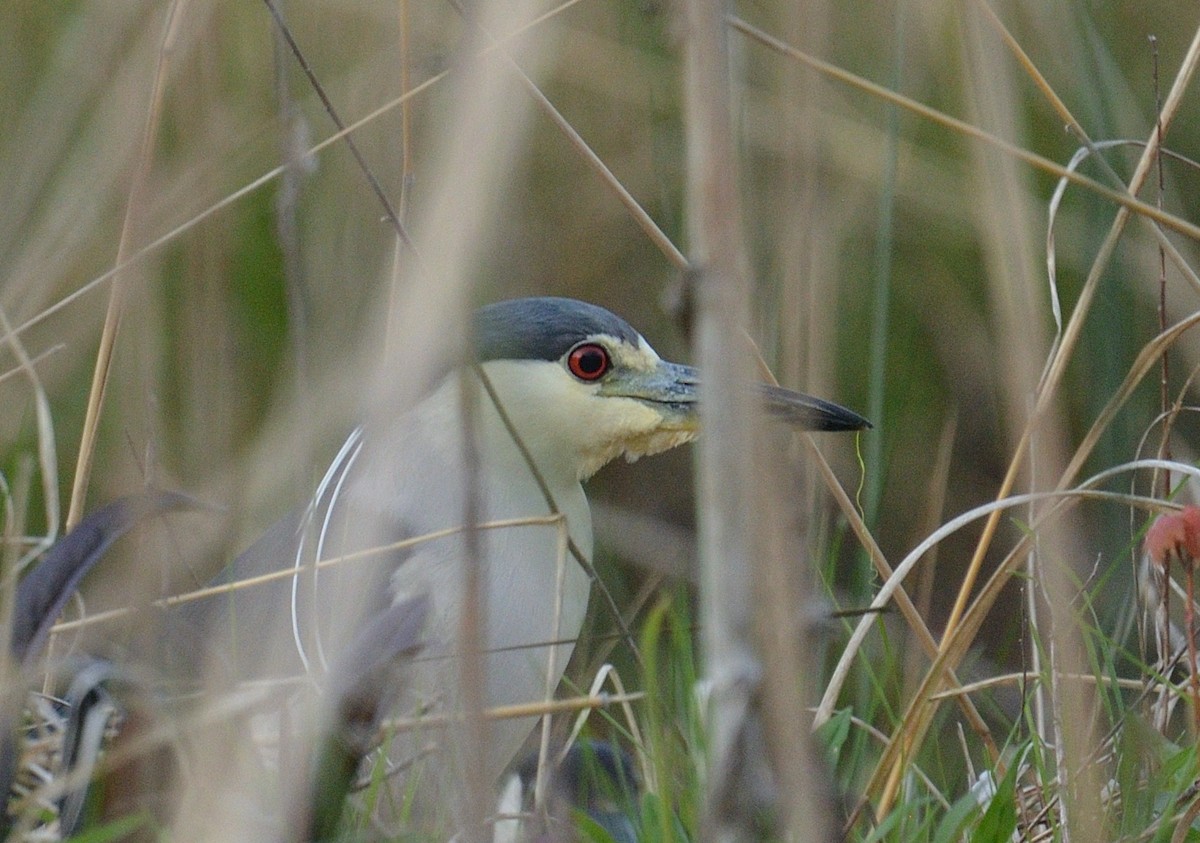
(1005, 214)
(14, 561)
(1183, 829)
(753, 652)
(472, 637)
(1076, 128)
(270, 175)
(639, 214)
(955, 647)
(407, 171)
(452, 235)
(723, 490)
(16, 511)
(932, 515)
(1126, 200)
(116, 301)
(1070, 338)
(562, 551)
(1004, 679)
(519, 710)
(854, 520)
(911, 616)
(241, 703)
(911, 731)
(33, 361)
(606, 674)
(46, 446)
(320, 565)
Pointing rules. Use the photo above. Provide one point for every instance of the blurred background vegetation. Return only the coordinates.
(899, 266)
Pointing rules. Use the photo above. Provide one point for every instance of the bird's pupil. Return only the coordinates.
(591, 361)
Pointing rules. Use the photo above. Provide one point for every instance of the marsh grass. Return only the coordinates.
(898, 172)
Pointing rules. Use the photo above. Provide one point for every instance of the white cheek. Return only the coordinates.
(571, 424)
(545, 403)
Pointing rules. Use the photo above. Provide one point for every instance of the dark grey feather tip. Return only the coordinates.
(45, 590)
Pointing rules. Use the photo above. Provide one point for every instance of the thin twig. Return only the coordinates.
(319, 89)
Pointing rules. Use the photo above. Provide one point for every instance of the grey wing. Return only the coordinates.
(285, 616)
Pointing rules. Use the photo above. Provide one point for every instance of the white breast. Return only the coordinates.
(535, 591)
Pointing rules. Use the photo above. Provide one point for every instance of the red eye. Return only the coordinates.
(588, 362)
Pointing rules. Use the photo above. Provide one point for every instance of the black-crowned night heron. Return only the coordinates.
(564, 387)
